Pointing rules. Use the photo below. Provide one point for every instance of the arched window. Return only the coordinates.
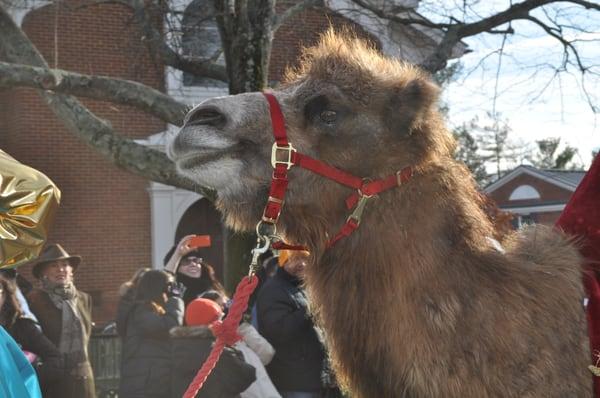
(524, 192)
(201, 40)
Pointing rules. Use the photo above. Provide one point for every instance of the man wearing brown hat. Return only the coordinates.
(65, 315)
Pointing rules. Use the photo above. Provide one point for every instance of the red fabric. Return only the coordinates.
(581, 218)
(347, 229)
(325, 170)
(280, 245)
(277, 119)
(374, 187)
(279, 183)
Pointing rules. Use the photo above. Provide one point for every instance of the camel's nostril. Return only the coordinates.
(205, 116)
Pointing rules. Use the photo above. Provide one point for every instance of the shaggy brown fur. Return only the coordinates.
(416, 303)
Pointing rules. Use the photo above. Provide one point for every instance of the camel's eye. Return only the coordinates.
(328, 116)
(320, 111)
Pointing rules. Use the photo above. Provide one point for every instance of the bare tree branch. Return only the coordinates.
(456, 30)
(408, 17)
(294, 10)
(125, 153)
(586, 4)
(156, 40)
(102, 88)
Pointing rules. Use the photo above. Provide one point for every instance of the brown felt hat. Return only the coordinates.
(52, 253)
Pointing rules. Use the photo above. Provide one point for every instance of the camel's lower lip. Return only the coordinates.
(200, 157)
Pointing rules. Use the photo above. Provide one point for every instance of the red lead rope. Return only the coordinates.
(226, 331)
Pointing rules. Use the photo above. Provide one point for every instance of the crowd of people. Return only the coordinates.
(163, 319)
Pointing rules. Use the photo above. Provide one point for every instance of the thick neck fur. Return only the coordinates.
(368, 280)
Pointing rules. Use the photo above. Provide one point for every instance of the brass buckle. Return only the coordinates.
(289, 148)
(360, 207)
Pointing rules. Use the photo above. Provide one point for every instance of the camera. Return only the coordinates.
(175, 289)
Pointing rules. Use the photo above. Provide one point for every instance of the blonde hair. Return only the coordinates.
(285, 255)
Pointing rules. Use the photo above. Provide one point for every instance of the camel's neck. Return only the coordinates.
(411, 238)
(428, 218)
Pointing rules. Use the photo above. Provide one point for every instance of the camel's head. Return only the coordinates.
(345, 105)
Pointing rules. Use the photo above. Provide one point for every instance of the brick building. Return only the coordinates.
(117, 221)
(533, 195)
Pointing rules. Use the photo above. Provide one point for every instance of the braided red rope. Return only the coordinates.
(225, 332)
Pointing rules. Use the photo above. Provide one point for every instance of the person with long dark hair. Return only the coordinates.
(39, 350)
(127, 293)
(145, 362)
(191, 270)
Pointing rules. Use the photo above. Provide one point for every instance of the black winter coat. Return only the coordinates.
(145, 361)
(191, 345)
(284, 321)
(49, 366)
(126, 303)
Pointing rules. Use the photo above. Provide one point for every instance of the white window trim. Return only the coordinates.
(524, 192)
(526, 210)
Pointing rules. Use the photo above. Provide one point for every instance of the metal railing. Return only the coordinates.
(105, 356)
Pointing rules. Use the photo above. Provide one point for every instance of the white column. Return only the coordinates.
(18, 10)
(167, 205)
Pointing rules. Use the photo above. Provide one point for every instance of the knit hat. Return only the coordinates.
(284, 255)
(201, 312)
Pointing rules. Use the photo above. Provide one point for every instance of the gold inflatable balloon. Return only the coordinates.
(28, 201)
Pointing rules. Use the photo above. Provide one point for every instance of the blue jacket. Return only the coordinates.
(17, 377)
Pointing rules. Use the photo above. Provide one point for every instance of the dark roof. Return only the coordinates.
(569, 179)
(572, 177)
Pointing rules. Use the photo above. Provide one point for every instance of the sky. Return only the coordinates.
(535, 102)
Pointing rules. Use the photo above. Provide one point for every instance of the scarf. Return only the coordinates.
(72, 336)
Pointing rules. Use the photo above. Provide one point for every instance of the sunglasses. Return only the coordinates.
(189, 260)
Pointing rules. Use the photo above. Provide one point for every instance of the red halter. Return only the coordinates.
(284, 156)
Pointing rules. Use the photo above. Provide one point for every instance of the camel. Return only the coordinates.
(417, 302)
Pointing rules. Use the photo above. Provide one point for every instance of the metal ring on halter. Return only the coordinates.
(360, 192)
(265, 234)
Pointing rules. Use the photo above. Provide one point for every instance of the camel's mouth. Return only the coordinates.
(201, 157)
(209, 158)
(195, 146)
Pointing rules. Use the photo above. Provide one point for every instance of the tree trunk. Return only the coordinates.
(246, 34)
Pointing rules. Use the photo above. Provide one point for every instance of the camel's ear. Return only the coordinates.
(409, 104)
